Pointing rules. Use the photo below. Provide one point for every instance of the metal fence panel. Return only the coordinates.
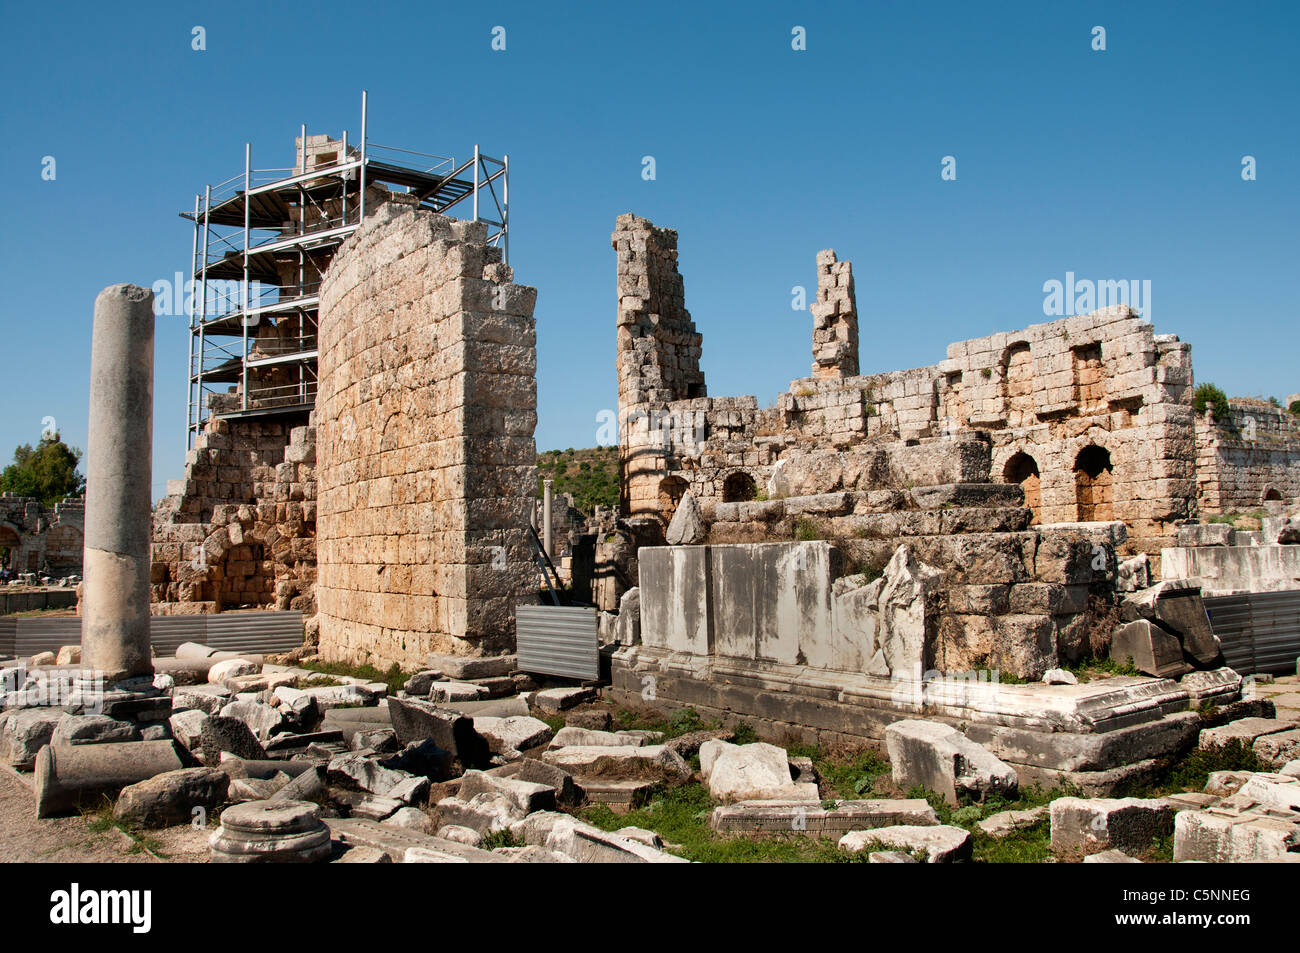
(558, 640)
(264, 632)
(1260, 631)
(1230, 620)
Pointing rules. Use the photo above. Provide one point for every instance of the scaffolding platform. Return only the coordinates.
(262, 241)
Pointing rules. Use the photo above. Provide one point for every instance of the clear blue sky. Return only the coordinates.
(1122, 164)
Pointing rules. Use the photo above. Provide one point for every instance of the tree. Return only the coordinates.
(48, 473)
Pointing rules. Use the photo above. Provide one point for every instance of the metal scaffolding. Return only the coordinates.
(262, 241)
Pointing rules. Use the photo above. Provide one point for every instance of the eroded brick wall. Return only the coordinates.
(1248, 461)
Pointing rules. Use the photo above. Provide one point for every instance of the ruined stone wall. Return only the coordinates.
(1091, 415)
(40, 541)
(239, 529)
(426, 410)
(658, 351)
(1248, 461)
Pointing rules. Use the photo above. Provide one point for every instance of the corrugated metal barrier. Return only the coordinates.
(1260, 631)
(558, 640)
(264, 632)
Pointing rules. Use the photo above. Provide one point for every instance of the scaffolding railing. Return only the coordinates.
(263, 239)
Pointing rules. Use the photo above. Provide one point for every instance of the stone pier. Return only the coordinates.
(115, 601)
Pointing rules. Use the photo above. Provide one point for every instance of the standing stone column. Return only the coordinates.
(547, 496)
(119, 471)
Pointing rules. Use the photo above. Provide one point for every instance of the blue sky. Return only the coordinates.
(1115, 164)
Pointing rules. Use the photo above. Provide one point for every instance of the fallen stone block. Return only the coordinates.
(452, 731)
(456, 692)
(356, 770)
(1224, 836)
(513, 733)
(1149, 648)
(378, 740)
(890, 857)
(187, 727)
(1008, 822)
(413, 819)
(231, 668)
(262, 720)
(533, 854)
(362, 855)
(1127, 823)
(940, 758)
(561, 699)
(1224, 783)
(526, 795)
(688, 745)
(467, 667)
(418, 685)
(586, 843)
(26, 732)
(423, 759)
(1111, 856)
(1281, 746)
(207, 698)
(648, 762)
(619, 796)
(308, 786)
(584, 737)
(396, 841)
(374, 807)
(172, 797)
(93, 730)
(753, 772)
(1272, 790)
(461, 835)
(67, 777)
(1245, 730)
(831, 817)
(486, 813)
(1178, 608)
(1291, 769)
(566, 790)
(228, 734)
(942, 843)
(298, 743)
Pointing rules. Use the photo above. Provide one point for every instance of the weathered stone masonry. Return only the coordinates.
(37, 539)
(426, 461)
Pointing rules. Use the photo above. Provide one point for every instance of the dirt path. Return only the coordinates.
(25, 839)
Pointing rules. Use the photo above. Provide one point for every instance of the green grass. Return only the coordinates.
(1190, 770)
(394, 677)
(1086, 669)
(100, 820)
(681, 817)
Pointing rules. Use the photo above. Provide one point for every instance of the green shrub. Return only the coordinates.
(1209, 397)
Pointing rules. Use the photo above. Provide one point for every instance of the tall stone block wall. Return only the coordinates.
(658, 354)
(36, 540)
(1248, 461)
(426, 408)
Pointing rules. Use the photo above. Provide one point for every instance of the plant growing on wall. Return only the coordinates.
(1209, 397)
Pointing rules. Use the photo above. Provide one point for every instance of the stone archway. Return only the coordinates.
(739, 487)
(1094, 485)
(1023, 469)
(1270, 494)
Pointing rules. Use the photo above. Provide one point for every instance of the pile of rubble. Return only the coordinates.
(457, 767)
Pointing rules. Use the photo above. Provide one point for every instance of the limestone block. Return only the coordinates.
(940, 758)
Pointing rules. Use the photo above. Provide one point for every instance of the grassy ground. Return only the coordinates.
(394, 677)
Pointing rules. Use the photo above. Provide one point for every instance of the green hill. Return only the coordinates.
(591, 475)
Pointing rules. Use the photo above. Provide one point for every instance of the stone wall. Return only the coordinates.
(1248, 461)
(427, 466)
(1091, 415)
(40, 541)
(239, 529)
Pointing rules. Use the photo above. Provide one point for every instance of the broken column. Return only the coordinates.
(115, 601)
(835, 319)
